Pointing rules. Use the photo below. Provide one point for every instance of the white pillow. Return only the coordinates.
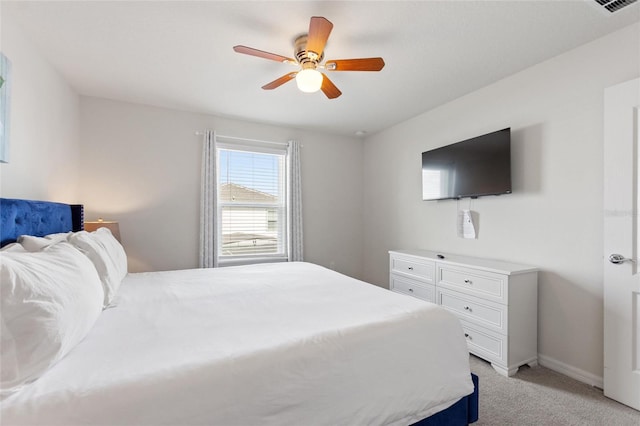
(13, 247)
(107, 255)
(50, 300)
(31, 243)
(60, 236)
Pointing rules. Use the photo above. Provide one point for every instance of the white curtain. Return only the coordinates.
(295, 200)
(208, 195)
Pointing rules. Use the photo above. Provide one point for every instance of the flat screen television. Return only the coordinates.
(470, 168)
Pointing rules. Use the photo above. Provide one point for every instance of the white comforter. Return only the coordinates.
(274, 344)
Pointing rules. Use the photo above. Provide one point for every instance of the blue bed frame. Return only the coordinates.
(463, 412)
(40, 218)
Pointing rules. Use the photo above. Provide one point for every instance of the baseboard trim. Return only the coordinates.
(571, 371)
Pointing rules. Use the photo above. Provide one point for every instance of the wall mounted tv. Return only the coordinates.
(470, 168)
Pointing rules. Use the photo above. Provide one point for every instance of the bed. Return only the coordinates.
(271, 344)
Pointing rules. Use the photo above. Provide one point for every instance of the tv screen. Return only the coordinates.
(471, 168)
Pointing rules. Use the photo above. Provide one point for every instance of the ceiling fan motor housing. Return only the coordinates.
(305, 58)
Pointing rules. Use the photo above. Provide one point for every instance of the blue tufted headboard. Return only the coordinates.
(38, 218)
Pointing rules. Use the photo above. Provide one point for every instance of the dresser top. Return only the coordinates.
(490, 265)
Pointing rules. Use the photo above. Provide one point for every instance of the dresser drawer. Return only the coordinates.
(480, 283)
(422, 270)
(485, 344)
(479, 311)
(413, 288)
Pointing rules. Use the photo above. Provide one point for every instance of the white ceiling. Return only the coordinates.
(178, 54)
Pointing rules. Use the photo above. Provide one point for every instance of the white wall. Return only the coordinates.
(43, 151)
(553, 219)
(140, 165)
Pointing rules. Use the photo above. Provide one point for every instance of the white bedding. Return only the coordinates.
(273, 344)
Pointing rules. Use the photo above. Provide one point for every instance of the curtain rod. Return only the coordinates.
(198, 133)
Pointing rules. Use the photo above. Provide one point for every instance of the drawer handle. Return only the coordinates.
(467, 308)
(468, 281)
(467, 336)
(410, 268)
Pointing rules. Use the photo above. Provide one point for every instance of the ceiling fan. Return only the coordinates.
(309, 53)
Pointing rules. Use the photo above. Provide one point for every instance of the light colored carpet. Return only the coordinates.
(539, 396)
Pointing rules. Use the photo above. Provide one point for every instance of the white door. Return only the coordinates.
(621, 240)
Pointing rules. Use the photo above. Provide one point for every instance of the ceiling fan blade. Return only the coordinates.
(319, 30)
(363, 64)
(280, 81)
(329, 88)
(261, 54)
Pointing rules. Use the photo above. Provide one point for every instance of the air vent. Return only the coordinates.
(614, 5)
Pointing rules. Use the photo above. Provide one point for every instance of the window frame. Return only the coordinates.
(282, 207)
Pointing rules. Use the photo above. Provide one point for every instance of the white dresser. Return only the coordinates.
(496, 302)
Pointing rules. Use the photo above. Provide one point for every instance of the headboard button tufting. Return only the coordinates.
(38, 218)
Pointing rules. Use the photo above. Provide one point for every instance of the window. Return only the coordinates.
(252, 207)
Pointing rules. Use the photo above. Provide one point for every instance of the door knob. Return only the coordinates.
(618, 259)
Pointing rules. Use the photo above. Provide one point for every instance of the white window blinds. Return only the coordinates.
(252, 201)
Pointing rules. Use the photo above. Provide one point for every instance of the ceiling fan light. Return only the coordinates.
(309, 80)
